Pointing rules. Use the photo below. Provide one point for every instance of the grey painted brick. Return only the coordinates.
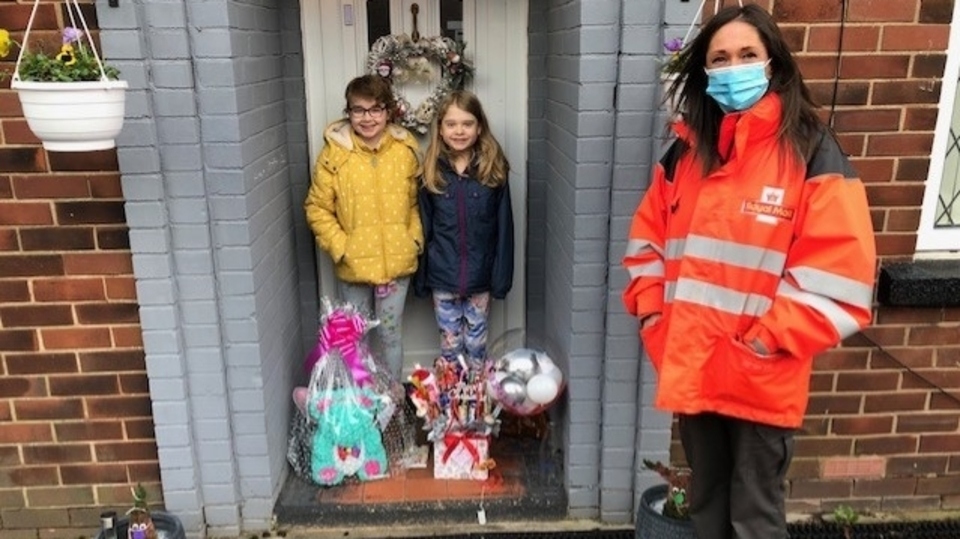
(192, 262)
(253, 466)
(182, 479)
(653, 440)
(219, 101)
(619, 436)
(122, 44)
(217, 72)
(614, 479)
(181, 157)
(256, 487)
(214, 43)
(583, 502)
(221, 129)
(184, 184)
(176, 102)
(195, 287)
(248, 423)
(158, 317)
(204, 361)
(224, 515)
(174, 500)
(214, 450)
(172, 74)
(218, 494)
(601, 12)
(208, 14)
(178, 130)
(165, 14)
(190, 236)
(598, 40)
(180, 455)
(639, 97)
(198, 312)
(154, 292)
(121, 17)
(641, 12)
(138, 160)
(137, 105)
(596, 96)
(231, 233)
(251, 445)
(623, 458)
(201, 336)
(169, 44)
(144, 187)
(172, 436)
(151, 266)
(138, 132)
(187, 211)
(218, 471)
(170, 413)
(148, 240)
(243, 354)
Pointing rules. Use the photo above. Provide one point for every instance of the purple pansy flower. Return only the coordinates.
(71, 34)
(673, 45)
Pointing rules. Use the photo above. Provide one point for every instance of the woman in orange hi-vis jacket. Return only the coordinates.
(751, 252)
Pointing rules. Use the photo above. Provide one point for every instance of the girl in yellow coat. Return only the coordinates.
(362, 208)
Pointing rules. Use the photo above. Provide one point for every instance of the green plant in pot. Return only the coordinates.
(677, 505)
(72, 100)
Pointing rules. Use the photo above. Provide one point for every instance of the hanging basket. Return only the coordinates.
(78, 115)
(73, 116)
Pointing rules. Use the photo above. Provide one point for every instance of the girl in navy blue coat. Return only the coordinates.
(467, 226)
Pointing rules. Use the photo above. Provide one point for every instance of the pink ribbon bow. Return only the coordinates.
(343, 333)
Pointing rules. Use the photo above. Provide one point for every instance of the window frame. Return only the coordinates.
(933, 241)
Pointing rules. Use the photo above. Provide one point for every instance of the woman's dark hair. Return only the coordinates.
(372, 87)
(799, 123)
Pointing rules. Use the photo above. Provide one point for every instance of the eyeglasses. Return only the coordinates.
(374, 112)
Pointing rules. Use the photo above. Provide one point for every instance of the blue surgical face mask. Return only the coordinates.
(738, 87)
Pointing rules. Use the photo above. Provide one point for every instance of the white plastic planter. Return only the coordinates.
(73, 116)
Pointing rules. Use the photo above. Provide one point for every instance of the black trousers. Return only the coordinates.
(737, 485)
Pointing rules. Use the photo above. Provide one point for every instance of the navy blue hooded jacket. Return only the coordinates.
(468, 230)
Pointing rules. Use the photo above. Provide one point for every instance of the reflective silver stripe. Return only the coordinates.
(675, 249)
(843, 323)
(721, 298)
(653, 269)
(637, 247)
(735, 254)
(669, 291)
(833, 286)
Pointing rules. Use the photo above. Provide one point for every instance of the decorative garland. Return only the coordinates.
(401, 59)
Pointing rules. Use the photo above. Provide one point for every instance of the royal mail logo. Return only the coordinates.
(770, 207)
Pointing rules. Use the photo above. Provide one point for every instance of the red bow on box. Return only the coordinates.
(453, 439)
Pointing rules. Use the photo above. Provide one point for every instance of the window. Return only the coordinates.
(940, 215)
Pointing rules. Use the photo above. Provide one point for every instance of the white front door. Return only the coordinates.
(335, 44)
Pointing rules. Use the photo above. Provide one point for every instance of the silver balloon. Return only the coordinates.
(522, 363)
(513, 389)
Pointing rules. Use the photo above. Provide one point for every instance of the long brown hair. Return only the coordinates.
(799, 124)
(492, 166)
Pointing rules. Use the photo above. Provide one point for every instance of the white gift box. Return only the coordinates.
(461, 456)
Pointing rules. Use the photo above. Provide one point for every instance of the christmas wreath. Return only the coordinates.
(401, 59)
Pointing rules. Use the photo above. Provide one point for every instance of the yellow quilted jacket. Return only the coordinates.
(362, 204)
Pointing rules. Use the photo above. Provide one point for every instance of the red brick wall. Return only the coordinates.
(76, 427)
(883, 427)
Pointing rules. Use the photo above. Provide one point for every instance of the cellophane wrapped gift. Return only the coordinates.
(458, 415)
(462, 455)
(350, 414)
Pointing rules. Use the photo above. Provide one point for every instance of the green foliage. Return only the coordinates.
(845, 515)
(74, 62)
(139, 496)
(40, 67)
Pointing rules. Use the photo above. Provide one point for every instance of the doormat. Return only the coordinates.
(939, 529)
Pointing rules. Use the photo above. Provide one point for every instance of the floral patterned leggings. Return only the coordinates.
(385, 302)
(463, 324)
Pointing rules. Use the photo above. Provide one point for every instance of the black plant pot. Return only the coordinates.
(168, 526)
(652, 525)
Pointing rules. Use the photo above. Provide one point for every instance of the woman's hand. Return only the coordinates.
(649, 320)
